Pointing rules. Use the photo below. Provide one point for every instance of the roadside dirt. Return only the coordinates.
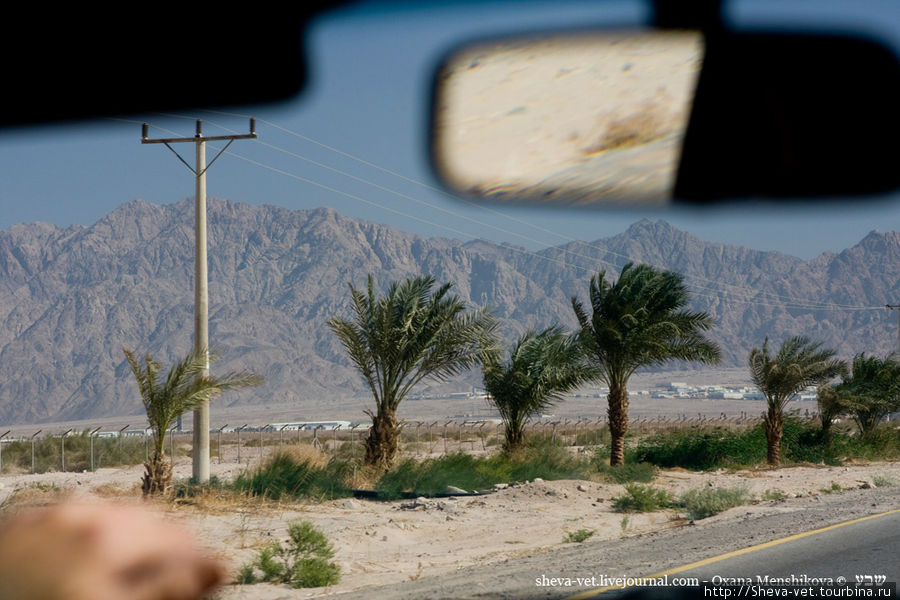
(380, 543)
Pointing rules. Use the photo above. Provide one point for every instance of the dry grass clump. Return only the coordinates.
(305, 453)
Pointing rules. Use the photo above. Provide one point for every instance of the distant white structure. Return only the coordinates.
(306, 425)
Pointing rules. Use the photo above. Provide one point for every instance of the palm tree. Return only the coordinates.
(639, 321)
(396, 341)
(872, 391)
(541, 367)
(798, 364)
(830, 404)
(185, 388)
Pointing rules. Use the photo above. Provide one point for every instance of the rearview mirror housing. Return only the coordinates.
(650, 117)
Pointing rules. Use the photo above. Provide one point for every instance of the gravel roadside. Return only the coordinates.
(641, 555)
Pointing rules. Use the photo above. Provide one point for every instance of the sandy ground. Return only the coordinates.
(389, 542)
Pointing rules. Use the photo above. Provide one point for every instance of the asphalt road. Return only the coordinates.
(867, 547)
(865, 550)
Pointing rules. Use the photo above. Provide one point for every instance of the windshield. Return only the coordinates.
(97, 253)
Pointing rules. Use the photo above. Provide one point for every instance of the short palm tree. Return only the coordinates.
(799, 363)
(395, 341)
(872, 390)
(640, 320)
(185, 388)
(541, 367)
(830, 405)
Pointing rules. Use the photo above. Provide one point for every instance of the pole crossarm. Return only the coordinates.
(215, 138)
(145, 138)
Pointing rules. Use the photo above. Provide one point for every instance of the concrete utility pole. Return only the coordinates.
(892, 307)
(201, 294)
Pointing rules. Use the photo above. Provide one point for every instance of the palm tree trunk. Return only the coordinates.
(774, 431)
(157, 477)
(382, 443)
(618, 423)
(515, 437)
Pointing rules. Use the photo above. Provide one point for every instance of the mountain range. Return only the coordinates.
(71, 298)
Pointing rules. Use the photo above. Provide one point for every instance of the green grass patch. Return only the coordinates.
(708, 448)
(702, 449)
(640, 471)
(701, 503)
(774, 495)
(639, 497)
(285, 476)
(541, 458)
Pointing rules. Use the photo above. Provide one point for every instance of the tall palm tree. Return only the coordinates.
(639, 321)
(183, 389)
(872, 390)
(414, 331)
(799, 363)
(541, 367)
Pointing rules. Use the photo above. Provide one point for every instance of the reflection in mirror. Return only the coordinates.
(589, 119)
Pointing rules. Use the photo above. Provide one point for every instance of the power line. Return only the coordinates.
(749, 293)
(750, 296)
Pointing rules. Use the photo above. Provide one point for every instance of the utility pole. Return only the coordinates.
(893, 307)
(201, 294)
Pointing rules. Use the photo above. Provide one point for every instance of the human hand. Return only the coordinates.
(101, 551)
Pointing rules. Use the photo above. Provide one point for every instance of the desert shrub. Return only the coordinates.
(578, 536)
(630, 471)
(641, 498)
(701, 503)
(303, 561)
(833, 488)
(287, 475)
(881, 481)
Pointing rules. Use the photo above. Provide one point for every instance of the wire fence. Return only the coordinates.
(68, 450)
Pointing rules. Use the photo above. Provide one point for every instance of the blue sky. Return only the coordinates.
(368, 97)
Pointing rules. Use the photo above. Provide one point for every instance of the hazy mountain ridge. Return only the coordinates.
(70, 298)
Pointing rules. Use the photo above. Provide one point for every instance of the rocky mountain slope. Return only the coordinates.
(71, 298)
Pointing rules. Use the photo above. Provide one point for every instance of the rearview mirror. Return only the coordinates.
(581, 119)
(644, 117)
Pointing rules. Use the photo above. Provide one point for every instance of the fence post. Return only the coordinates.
(32, 449)
(445, 436)
(1, 448)
(63, 445)
(261, 442)
(239, 440)
(431, 438)
(219, 441)
(119, 442)
(91, 434)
